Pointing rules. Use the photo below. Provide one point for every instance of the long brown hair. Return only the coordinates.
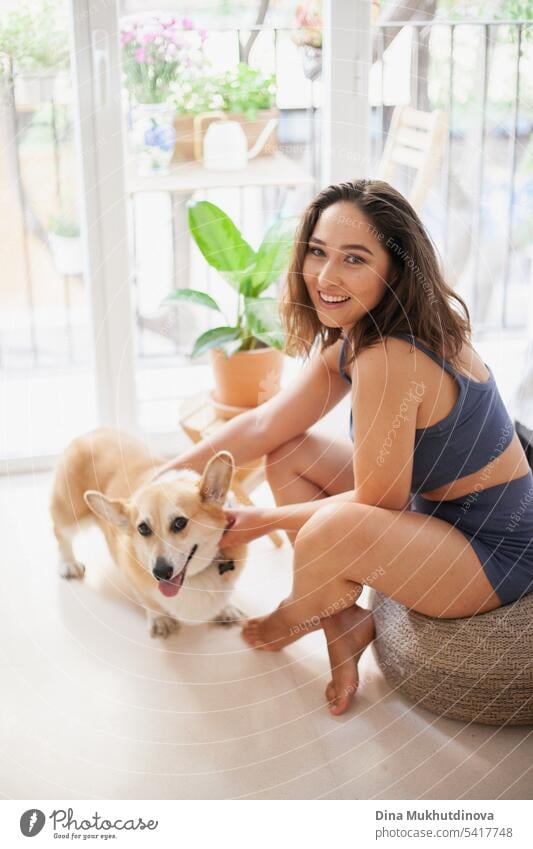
(419, 301)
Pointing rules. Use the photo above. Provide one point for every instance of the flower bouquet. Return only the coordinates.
(156, 51)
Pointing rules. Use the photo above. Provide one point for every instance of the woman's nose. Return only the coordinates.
(328, 272)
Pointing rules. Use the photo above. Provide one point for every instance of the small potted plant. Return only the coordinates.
(246, 354)
(155, 50)
(65, 244)
(245, 94)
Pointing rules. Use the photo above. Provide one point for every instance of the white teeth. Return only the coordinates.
(332, 300)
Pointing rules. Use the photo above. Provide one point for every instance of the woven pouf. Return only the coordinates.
(478, 669)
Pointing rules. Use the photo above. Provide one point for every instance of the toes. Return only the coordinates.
(250, 632)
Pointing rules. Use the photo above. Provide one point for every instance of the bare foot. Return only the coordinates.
(348, 634)
(273, 632)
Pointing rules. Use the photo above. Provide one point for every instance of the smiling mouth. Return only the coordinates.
(172, 587)
(332, 300)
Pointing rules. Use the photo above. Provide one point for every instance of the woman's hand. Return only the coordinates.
(244, 525)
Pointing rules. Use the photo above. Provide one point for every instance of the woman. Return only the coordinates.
(433, 502)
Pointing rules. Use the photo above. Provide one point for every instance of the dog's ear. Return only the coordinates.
(113, 510)
(216, 478)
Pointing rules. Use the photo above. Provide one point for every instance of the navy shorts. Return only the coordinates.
(498, 522)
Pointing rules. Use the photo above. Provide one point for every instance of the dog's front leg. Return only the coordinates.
(160, 624)
(229, 615)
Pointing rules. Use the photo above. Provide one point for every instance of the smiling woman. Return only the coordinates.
(365, 299)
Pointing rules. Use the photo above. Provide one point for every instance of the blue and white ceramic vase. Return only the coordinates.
(153, 137)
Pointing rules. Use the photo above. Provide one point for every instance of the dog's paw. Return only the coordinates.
(163, 626)
(229, 615)
(70, 569)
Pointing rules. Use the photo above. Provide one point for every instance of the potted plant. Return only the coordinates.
(244, 93)
(34, 41)
(155, 50)
(65, 244)
(246, 354)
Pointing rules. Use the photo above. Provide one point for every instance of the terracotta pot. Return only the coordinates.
(247, 378)
(183, 124)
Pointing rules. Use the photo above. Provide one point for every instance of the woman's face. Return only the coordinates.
(346, 268)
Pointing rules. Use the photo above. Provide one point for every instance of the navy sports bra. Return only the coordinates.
(475, 431)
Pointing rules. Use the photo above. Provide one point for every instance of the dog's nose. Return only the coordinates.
(162, 570)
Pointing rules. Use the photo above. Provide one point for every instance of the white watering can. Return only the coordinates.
(225, 146)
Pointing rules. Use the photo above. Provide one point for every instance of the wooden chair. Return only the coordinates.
(416, 140)
(198, 419)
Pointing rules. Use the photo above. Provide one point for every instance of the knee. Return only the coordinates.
(281, 461)
(320, 533)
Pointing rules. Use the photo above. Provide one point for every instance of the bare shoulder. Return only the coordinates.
(331, 356)
(389, 358)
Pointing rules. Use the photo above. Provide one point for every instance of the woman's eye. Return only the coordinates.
(352, 260)
(178, 524)
(144, 529)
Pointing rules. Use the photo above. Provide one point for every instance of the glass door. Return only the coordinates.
(66, 342)
(48, 391)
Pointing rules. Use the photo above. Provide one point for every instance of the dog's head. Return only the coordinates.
(174, 525)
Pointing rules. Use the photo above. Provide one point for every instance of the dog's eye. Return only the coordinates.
(144, 529)
(178, 524)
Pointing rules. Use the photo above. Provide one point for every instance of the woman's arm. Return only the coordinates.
(290, 412)
(248, 523)
(385, 399)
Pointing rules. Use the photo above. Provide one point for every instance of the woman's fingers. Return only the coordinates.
(243, 525)
(230, 521)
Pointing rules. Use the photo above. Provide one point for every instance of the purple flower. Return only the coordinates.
(126, 37)
(140, 54)
(147, 36)
(187, 23)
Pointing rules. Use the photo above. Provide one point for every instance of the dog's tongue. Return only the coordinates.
(171, 588)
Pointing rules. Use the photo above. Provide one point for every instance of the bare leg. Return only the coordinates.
(307, 468)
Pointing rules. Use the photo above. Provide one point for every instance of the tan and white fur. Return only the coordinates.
(176, 570)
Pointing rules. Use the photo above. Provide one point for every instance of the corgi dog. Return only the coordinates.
(162, 531)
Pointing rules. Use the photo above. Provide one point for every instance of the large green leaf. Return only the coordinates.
(192, 296)
(245, 282)
(262, 318)
(220, 242)
(214, 338)
(273, 255)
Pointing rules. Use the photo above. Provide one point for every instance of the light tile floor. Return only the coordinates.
(92, 707)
